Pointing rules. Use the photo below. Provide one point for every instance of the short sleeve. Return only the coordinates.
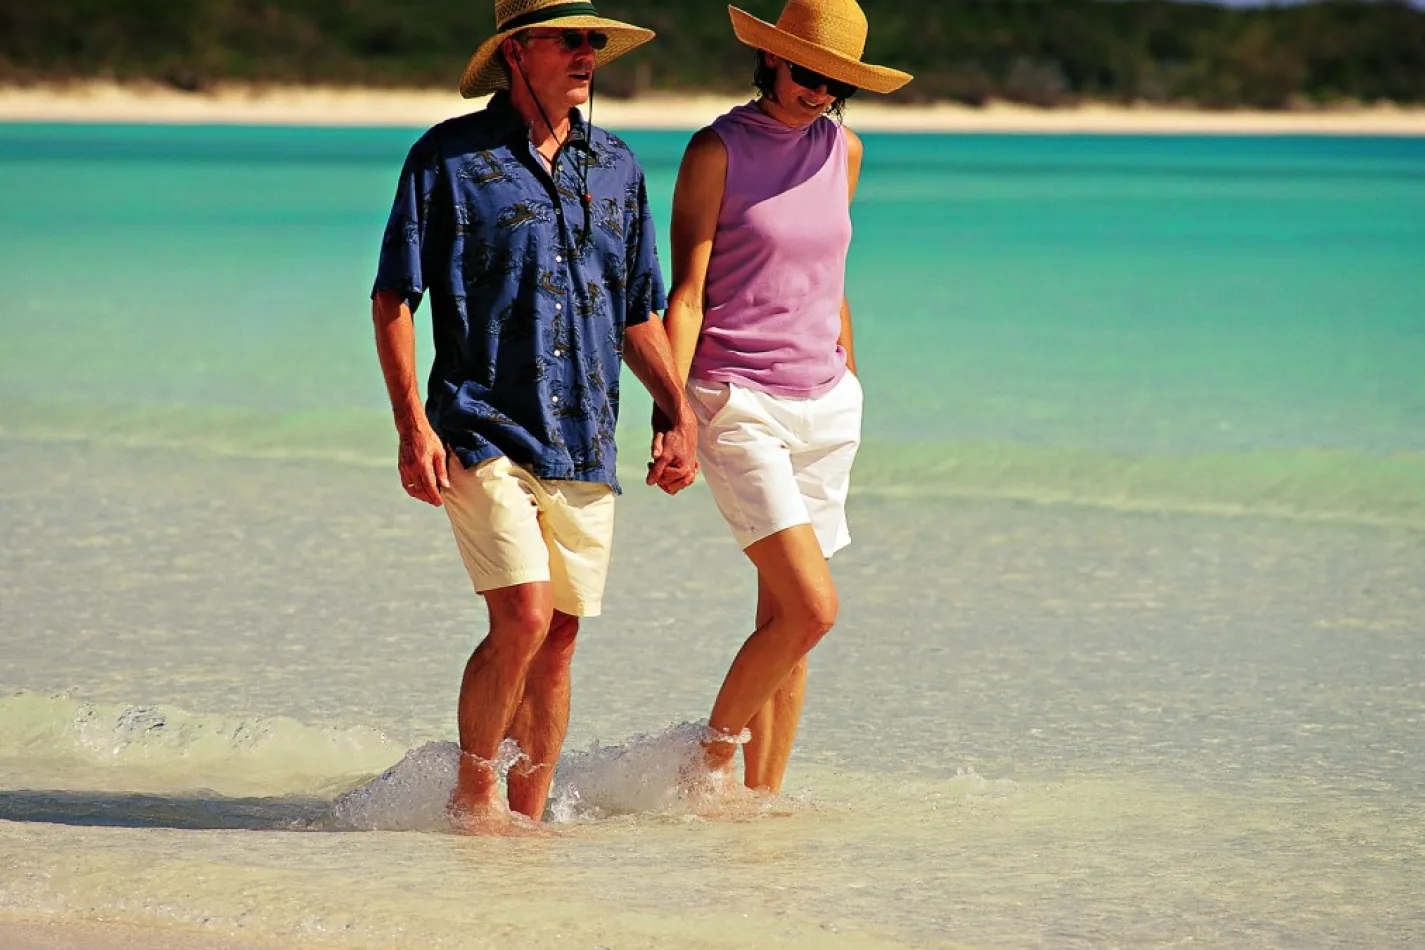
(646, 292)
(404, 244)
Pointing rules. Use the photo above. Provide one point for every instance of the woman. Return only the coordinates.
(761, 332)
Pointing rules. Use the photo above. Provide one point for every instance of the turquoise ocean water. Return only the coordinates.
(1219, 323)
(1130, 646)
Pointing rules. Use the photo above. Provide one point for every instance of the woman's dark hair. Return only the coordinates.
(765, 80)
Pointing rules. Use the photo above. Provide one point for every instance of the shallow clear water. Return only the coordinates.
(1129, 653)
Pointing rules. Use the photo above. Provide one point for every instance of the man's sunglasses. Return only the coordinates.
(573, 40)
(812, 79)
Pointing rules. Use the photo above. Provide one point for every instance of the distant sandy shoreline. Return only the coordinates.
(246, 105)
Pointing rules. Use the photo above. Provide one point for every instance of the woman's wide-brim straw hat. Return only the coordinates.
(826, 36)
(485, 74)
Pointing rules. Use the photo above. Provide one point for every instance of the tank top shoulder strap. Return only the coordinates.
(840, 149)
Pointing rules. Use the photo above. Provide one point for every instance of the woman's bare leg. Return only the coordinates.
(792, 569)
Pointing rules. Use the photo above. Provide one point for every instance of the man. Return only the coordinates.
(532, 233)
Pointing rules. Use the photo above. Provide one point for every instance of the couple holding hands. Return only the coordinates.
(530, 229)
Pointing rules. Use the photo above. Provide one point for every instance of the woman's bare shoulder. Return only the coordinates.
(706, 144)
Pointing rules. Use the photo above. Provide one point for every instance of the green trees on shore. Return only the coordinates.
(1043, 52)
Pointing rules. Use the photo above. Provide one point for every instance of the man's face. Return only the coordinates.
(560, 76)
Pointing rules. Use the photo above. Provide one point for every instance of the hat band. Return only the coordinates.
(549, 13)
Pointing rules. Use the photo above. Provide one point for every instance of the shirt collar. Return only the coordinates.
(579, 130)
(509, 122)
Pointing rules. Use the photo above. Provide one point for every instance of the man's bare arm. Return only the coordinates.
(422, 455)
(647, 353)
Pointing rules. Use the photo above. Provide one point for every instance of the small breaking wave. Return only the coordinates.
(58, 742)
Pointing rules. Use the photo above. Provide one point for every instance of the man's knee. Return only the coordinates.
(520, 619)
(560, 641)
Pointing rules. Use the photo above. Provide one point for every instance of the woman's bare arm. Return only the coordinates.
(697, 202)
(854, 151)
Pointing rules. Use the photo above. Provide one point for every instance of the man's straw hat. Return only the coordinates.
(827, 36)
(484, 74)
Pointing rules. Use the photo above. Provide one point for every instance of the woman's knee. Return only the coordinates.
(813, 614)
(793, 579)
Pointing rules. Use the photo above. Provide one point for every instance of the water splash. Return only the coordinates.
(660, 774)
(414, 794)
(664, 773)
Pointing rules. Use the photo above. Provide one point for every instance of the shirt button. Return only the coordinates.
(558, 307)
(554, 399)
(558, 354)
(558, 259)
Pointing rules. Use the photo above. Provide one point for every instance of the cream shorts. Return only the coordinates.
(514, 528)
(774, 462)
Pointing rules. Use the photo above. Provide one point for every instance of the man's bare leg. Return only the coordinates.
(491, 690)
(542, 718)
(804, 605)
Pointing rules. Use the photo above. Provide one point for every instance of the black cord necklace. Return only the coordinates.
(581, 171)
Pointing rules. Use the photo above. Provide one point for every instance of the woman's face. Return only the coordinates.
(801, 105)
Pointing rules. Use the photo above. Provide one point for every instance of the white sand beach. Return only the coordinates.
(107, 102)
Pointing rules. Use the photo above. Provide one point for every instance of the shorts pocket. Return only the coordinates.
(852, 382)
(710, 399)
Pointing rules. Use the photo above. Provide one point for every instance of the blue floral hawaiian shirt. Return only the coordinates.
(529, 298)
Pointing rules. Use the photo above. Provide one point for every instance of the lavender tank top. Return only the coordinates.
(772, 313)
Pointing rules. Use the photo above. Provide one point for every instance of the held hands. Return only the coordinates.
(422, 462)
(675, 451)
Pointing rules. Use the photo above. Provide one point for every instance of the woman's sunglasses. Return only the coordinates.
(812, 79)
(573, 40)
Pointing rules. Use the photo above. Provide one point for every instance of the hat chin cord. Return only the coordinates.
(586, 199)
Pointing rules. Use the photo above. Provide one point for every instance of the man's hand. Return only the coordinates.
(422, 461)
(675, 439)
(675, 451)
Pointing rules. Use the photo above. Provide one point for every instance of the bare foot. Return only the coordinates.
(718, 756)
(480, 814)
(720, 748)
(475, 807)
(720, 795)
(702, 783)
(498, 822)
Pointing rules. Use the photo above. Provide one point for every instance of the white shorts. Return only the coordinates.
(514, 528)
(775, 462)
